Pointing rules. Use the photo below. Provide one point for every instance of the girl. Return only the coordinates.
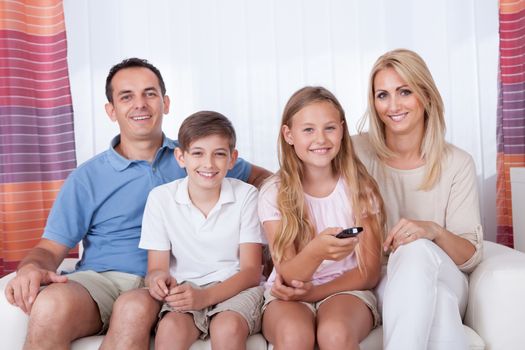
(429, 188)
(320, 189)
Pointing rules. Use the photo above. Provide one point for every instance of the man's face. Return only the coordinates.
(138, 105)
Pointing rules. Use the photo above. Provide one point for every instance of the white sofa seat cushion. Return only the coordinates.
(255, 342)
(493, 320)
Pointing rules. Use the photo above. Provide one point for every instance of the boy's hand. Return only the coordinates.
(186, 298)
(159, 284)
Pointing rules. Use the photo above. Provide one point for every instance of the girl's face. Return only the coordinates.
(315, 132)
(396, 104)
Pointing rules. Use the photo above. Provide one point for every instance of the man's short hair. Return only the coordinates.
(132, 62)
(205, 123)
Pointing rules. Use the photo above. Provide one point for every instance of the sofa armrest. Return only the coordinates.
(13, 320)
(496, 304)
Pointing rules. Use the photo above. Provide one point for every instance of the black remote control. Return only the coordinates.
(349, 232)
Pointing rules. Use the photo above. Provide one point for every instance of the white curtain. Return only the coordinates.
(244, 58)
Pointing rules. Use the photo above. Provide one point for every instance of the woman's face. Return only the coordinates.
(397, 105)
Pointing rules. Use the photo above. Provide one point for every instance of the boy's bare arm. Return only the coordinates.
(185, 297)
(248, 276)
(158, 279)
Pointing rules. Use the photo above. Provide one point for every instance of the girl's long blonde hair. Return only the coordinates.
(296, 226)
(413, 70)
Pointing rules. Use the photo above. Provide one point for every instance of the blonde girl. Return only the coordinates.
(320, 189)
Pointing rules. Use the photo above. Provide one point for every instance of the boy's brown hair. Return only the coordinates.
(205, 123)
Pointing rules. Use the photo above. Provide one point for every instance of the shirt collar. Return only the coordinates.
(119, 163)
(182, 195)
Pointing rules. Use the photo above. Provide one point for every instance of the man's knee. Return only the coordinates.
(54, 304)
(133, 316)
(64, 312)
(136, 304)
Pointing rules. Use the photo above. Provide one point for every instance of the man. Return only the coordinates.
(101, 204)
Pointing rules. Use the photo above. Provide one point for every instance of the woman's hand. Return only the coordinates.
(406, 231)
(329, 247)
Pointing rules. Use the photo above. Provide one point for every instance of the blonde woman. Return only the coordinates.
(320, 189)
(433, 218)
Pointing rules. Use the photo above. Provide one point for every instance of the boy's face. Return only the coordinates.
(138, 105)
(207, 160)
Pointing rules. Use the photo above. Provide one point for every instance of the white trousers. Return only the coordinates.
(423, 296)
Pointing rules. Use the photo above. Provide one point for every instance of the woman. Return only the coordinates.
(429, 189)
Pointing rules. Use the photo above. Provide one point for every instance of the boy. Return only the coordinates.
(204, 243)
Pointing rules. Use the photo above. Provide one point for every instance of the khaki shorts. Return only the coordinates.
(365, 296)
(247, 303)
(105, 288)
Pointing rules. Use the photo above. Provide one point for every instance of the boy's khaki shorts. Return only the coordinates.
(247, 303)
(365, 296)
(105, 288)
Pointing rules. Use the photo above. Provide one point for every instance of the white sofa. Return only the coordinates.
(495, 307)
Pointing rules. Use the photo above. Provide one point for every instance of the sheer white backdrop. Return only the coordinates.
(245, 58)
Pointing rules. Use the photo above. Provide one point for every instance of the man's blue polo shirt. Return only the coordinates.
(102, 202)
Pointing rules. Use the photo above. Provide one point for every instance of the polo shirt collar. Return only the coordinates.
(182, 195)
(120, 163)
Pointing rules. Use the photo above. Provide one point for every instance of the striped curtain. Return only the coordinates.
(36, 121)
(511, 109)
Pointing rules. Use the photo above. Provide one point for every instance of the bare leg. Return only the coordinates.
(289, 325)
(342, 322)
(176, 331)
(133, 317)
(228, 330)
(62, 313)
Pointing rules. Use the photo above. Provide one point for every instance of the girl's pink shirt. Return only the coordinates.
(333, 210)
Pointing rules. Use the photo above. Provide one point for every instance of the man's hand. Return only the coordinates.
(22, 290)
(296, 292)
(186, 298)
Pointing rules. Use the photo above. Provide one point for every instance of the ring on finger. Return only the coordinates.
(408, 234)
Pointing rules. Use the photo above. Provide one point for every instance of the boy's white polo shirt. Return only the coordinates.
(204, 249)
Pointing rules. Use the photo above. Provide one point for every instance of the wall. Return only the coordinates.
(245, 58)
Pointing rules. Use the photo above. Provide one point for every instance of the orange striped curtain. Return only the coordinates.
(36, 121)
(511, 110)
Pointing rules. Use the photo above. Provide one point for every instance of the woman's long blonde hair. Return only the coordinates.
(413, 70)
(296, 226)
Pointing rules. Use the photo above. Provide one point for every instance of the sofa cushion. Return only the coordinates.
(255, 342)
(374, 341)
